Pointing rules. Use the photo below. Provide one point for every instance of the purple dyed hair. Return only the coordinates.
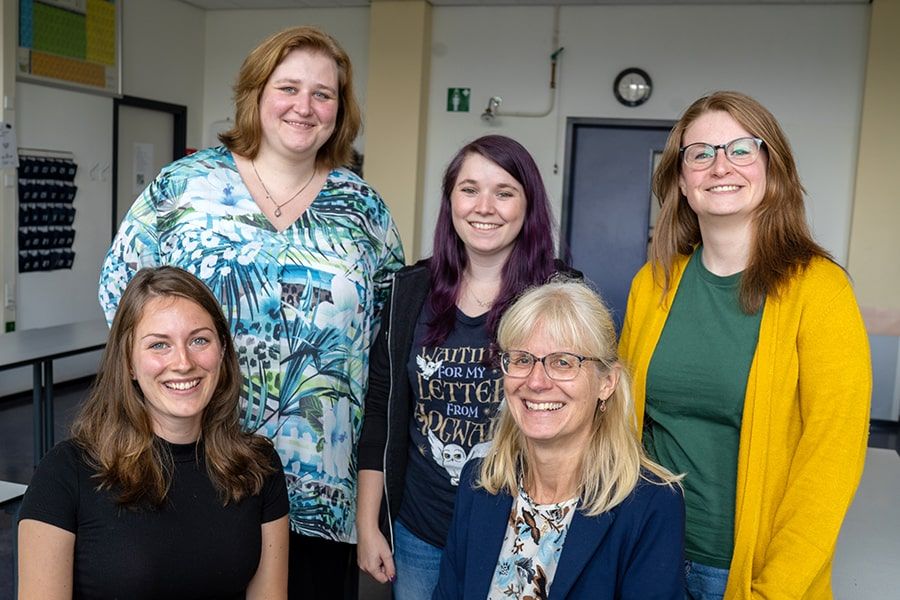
(531, 261)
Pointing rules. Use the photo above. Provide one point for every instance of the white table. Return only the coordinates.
(10, 495)
(11, 492)
(39, 348)
(867, 559)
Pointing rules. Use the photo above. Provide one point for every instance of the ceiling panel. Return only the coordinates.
(259, 4)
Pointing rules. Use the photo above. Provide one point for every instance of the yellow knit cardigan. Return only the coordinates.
(804, 429)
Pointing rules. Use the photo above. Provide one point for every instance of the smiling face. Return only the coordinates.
(299, 104)
(488, 207)
(724, 190)
(176, 359)
(558, 414)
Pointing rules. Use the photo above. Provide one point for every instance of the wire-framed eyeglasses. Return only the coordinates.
(560, 366)
(741, 152)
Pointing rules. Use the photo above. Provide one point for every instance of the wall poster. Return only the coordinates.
(71, 43)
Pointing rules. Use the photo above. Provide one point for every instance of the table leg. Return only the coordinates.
(49, 433)
(37, 405)
(13, 509)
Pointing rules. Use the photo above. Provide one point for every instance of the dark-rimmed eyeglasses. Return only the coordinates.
(561, 366)
(741, 152)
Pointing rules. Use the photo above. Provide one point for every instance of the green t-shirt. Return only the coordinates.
(696, 383)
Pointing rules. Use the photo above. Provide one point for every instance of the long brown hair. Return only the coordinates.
(114, 427)
(781, 244)
(245, 137)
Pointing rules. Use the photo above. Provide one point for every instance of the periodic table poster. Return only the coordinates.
(72, 43)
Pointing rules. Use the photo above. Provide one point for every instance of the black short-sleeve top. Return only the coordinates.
(192, 547)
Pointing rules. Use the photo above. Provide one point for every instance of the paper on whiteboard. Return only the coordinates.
(143, 166)
(9, 151)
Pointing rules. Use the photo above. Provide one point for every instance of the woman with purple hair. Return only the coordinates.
(432, 390)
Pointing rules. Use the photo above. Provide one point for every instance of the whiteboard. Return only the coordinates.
(69, 296)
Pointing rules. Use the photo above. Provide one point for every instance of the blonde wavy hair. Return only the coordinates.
(571, 314)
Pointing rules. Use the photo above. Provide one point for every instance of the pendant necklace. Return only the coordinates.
(269, 196)
(477, 300)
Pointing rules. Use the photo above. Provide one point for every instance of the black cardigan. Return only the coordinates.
(384, 441)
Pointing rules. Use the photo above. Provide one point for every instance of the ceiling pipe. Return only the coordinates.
(493, 108)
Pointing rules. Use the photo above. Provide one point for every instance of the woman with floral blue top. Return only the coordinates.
(565, 504)
(300, 253)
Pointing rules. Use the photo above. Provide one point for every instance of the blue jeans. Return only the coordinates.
(704, 583)
(417, 563)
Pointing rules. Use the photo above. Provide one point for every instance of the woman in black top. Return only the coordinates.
(159, 494)
(432, 392)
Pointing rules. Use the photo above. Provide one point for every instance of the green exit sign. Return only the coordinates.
(458, 99)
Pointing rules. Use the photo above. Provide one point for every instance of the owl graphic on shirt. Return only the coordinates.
(453, 457)
(428, 367)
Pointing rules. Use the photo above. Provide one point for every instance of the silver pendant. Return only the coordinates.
(277, 212)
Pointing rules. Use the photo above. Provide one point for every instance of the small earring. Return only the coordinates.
(602, 404)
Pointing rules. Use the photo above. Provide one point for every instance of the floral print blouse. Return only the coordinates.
(531, 548)
(303, 305)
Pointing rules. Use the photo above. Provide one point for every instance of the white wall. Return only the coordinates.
(163, 56)
(232, 34)
(65, 296)
(70, 295)
(805, 63)
(163, 59)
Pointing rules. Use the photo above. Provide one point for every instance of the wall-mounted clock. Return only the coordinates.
(632, 87)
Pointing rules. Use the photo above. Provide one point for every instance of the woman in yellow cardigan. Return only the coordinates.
(751, 363)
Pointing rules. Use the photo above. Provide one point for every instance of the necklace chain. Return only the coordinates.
(477, 300)
(269, 196)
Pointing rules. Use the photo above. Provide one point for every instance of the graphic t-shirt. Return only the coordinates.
(457, 393)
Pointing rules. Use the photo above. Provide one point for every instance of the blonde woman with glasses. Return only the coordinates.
(565, 504)
(750, 359)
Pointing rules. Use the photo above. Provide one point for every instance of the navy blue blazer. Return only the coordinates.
(633, 551)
